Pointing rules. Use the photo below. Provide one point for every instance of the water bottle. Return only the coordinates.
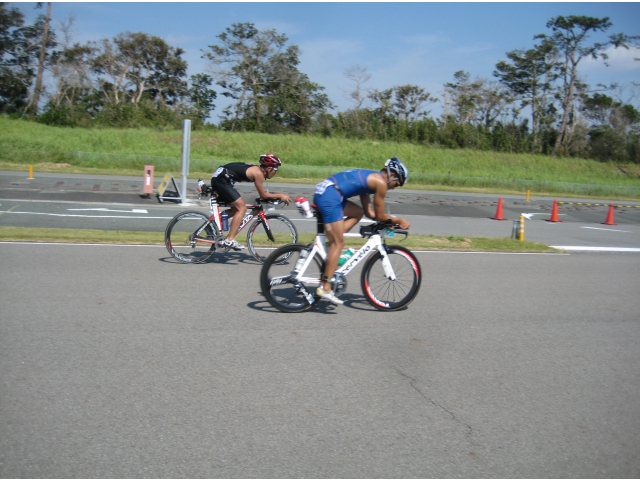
(346, 256)
(389, 233)
(225, 221)
(303, 258)
(303, 207)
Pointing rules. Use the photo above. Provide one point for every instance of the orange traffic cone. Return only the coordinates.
(554, 212)
(499, 215)
(609, 220)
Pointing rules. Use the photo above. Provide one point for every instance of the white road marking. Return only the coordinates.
(529, 215)
(597, 249)
(86, 244)
(88, 216)
(133, 210)
(607, 229)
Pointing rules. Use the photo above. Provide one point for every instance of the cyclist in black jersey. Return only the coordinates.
(227, 175)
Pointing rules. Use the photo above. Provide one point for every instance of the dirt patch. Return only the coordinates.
(450, 241)
(56, 166)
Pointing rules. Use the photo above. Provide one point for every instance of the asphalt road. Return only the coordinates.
(118, 203)
(118, 362)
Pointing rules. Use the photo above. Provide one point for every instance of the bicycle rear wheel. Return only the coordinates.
(384, 293)
(278, 286)
(261, 244)
(190, 237)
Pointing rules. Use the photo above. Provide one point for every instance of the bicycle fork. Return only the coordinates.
(386, 265)
(263, 219)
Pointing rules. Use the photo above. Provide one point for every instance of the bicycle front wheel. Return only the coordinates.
(281, 290)
(190, 237)
(263, 239)
(389, 294)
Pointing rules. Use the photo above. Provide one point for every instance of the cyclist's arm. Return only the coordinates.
(367, 207)
(379, 187)
(255, 174)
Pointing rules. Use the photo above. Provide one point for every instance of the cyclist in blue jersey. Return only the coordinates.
(340, 215)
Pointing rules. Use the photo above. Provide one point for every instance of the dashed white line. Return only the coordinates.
(88, 216)
(607, 229)
(133, 210)
(596, 249)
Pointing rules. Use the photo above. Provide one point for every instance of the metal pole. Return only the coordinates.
(186, 142)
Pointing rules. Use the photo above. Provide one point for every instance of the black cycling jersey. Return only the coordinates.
(233, 172)
(225, 176)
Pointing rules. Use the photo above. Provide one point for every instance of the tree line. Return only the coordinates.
(536, 102)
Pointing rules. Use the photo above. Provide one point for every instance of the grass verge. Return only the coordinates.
(307, 158)
(413, 242)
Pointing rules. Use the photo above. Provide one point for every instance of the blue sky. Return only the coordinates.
(417, 43)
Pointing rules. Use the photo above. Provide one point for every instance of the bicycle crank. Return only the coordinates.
(301, 290)
(339, 284)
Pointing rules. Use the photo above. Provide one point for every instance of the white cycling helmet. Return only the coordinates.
(396, 166)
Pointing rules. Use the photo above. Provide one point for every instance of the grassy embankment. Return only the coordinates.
(308, 159)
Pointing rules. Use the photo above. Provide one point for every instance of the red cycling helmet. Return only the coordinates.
(270, 160)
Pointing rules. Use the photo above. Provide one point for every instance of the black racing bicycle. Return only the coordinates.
(192, 236)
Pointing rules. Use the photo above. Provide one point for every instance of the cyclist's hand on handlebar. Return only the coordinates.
(402, 223)
(285, 198)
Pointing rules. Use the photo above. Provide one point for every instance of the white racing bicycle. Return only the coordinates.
(390, 277)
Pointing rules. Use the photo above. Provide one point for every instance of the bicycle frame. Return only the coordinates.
(216, 215)
(372, 245)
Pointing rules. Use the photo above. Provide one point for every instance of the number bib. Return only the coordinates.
(322, 186)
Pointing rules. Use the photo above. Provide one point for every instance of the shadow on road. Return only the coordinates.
(351, 301)
(224, 258)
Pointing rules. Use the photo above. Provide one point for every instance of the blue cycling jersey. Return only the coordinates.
(352, 182)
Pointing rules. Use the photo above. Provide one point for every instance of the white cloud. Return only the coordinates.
(620, 60)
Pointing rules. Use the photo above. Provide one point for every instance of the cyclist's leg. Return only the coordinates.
(236, 212)
(330, 205)
(231, 197)
(354, 214)
(335, 235)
